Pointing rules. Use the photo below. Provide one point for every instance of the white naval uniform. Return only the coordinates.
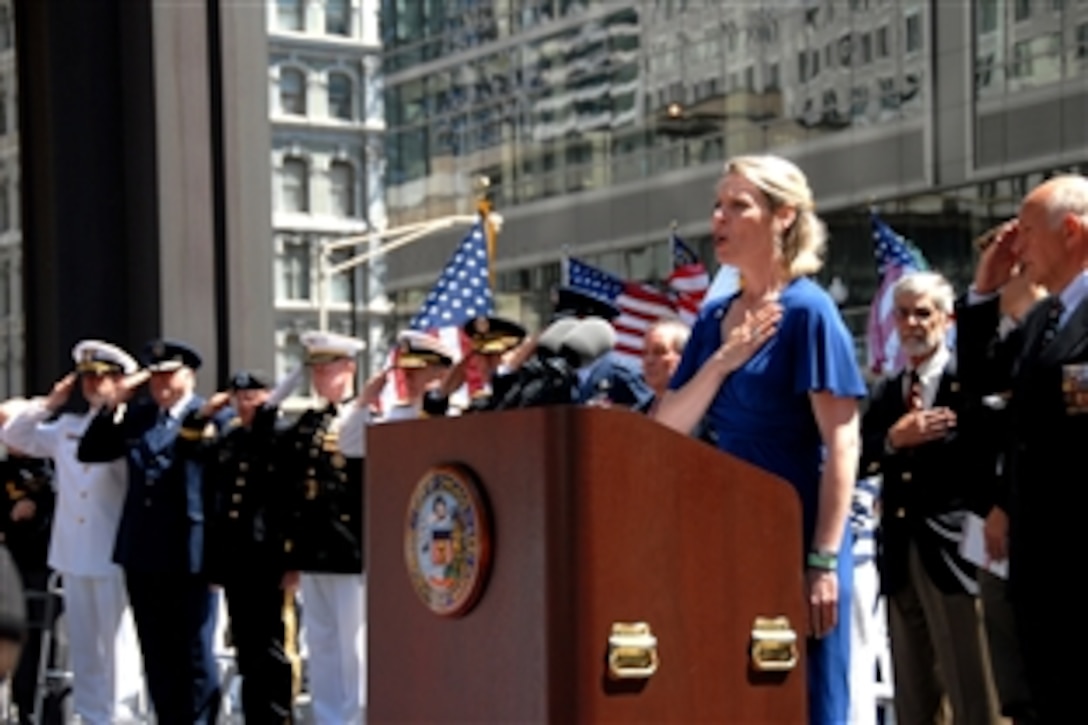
(334, 615)
(103, 648)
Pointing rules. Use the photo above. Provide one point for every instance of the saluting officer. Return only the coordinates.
(491, 339)
(423, 362)
(244, 542)
(103, 650)
(160, 540)
(321, 465)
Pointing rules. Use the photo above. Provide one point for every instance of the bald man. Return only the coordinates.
(1041, 370)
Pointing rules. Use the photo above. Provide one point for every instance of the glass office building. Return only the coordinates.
(600, 124)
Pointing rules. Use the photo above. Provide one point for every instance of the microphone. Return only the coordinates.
(552, 338)
(587, 341)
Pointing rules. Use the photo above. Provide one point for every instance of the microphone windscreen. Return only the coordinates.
(551, 339)
(589, 339)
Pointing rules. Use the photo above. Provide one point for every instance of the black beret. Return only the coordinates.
(248, 380)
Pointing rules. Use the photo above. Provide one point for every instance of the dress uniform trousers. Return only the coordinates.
(175, 620)
(244, 553)
(262, 622)
(335, 633)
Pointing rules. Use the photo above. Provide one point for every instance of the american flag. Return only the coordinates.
(895, 257)
(640, 305)
(462, 293)
(689, 280)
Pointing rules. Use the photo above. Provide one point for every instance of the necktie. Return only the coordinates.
(913, 395)
(1053, 317)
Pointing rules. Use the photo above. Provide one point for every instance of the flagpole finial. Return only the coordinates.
(481, 189)
(674, 225)
(489, 220)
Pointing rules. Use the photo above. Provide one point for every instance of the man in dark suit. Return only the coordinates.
(1041, 369)
(911, 436)
(160, 538)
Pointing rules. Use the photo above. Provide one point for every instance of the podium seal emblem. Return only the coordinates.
(447, 540)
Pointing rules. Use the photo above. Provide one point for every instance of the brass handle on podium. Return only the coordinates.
(774, 644)
(632, 651)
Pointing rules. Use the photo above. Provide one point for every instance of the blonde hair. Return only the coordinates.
(784, 184)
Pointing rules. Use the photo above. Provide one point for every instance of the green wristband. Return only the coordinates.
(823, 560)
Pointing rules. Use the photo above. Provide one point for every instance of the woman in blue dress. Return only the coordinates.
(774, 370)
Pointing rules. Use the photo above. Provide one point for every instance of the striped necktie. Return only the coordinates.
(913, 394)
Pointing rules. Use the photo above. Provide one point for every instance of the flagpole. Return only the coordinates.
(491, 233)
(564, 267)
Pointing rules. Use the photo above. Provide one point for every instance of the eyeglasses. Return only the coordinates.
(919, 313)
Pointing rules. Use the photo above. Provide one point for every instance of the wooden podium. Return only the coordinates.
(597, 517)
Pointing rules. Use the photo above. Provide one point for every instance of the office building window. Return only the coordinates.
(1021, 60)
(294, 186)
(3, 110)
(1082, 40)
(882, 50)
(986, 15)
(914, 33)
(340, 100)
(337, 17)
(341, 286)
(5, 28)
(772, 83)
(294, 271)
(292, 91)
(6, 306)
(290, 14)
(1022, 9)
(342, 188)
(5, 207)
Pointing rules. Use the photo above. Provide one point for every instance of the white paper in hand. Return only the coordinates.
(973, 547)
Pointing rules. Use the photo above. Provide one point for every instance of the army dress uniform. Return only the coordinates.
(102, 644)
(160, 541)
(320, 461)
(244, 553)
(28, 479)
